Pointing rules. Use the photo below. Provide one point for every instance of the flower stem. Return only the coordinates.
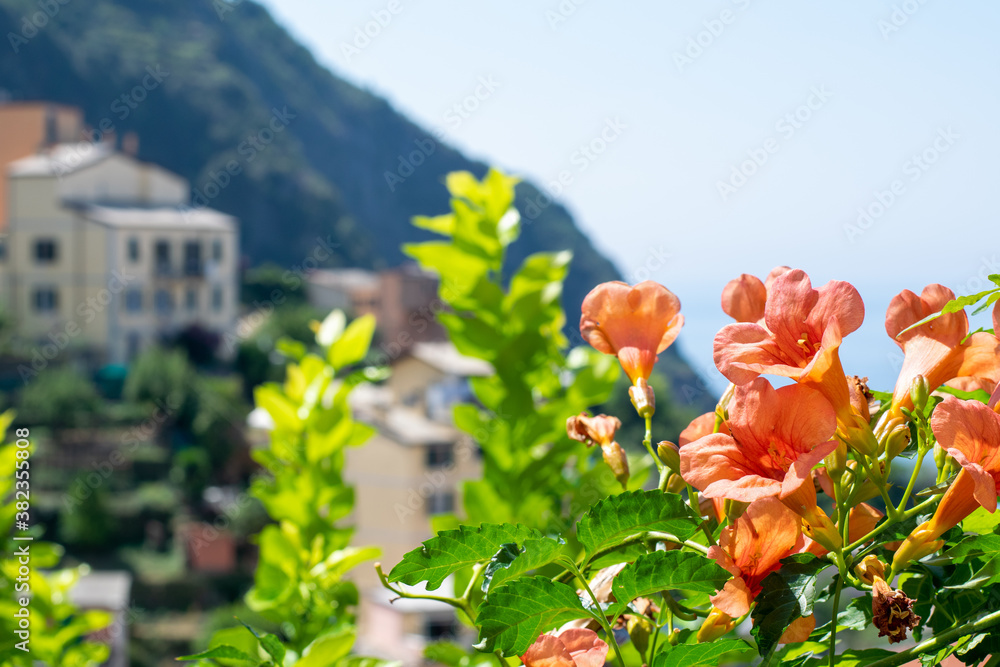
(836, 612)
(939, 640)
(598, 614)
(648, 444)
(921, 453)
(902, 516)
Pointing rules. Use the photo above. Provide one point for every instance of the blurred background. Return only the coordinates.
(186, 182)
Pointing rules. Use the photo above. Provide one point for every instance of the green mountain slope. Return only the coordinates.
(230, 101)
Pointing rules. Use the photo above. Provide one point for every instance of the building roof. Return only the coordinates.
(446, 358)
(410, 427)
(163, 217)
(345, 279)
(109, 590)
(60, 159)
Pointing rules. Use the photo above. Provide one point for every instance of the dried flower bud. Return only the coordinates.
(919, 392)
(869, 568)
(670, 455)
(599, 430)
(642, 397)
(616, 459)
(861, 396)
(892, 611)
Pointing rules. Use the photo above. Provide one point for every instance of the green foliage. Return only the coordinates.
(666, 571)
(694, 655)
(516, 325)
(786, 595)
(60, 397)
(613, 520)
(517, 612)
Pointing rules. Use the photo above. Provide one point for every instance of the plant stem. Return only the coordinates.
(921, 453)
(659, 625)
(890, 509)
(457, 603)
(902, 516)
(836, 612)
(598, 614)
(648, 444)
(939, 640)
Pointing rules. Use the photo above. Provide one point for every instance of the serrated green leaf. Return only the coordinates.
(451, 550)
(612, 520)
(786, 595)
(517, 612)
(328, 650)
(698, 655)
(270, 643)
(976, 546)
(666, 571)
(512, 560)
(221, 652)
(857, 615)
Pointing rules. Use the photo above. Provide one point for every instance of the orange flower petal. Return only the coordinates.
(743, 298)
(547, 651)
(971, 429)
(799, 630)
(585, 647)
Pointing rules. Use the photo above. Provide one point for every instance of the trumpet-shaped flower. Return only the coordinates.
(633, 323)
(936, 349)
(744, 298)
(752, 548)
(777, 436)
(970, 432)
(698, 428)
(575, 647)
(800, 338)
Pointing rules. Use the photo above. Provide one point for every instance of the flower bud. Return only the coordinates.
(869, 568)
(670, 455)
(892, 611)
(616, 459)
(642, 397)
(722, 408)
(675, 484)
(674, 638)
(919, 543)
(639, 631)
(919, 392)
(715, 625)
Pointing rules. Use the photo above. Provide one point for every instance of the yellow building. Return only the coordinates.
(103, 254)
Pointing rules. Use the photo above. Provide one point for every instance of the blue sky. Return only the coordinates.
(747, 133)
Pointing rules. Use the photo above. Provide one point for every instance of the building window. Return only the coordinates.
(441, 503)
(46, 299)
(162, 256)
(133, 300)
(164, 302)
(191, 300)
(45, 251)
(192, 258)
(217, 298)
(217, 250)
(440, 455)
(437, 628)
(133, 250)
(3, 250)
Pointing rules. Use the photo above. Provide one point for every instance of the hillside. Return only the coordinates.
(310, 150)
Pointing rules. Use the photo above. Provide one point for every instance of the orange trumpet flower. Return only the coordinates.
(698, 428)
(777, 437)
(800, 339)
(935, 349)
(601, 430)
(633, 323)
(744, 298)
(752, 548)
(575, 647)
(970, 432)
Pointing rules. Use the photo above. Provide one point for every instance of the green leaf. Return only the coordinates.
(221, 652)
(271, 644)
(952, 306)
(511, 619)
(978, 547)
(511, 561)
(353, 345)
(327, 650)
(786, 595)
(452, 550)
(612, 520)
(331, 329)
(697, 655)
(666, 571)
(981, 521)
(857, 615)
